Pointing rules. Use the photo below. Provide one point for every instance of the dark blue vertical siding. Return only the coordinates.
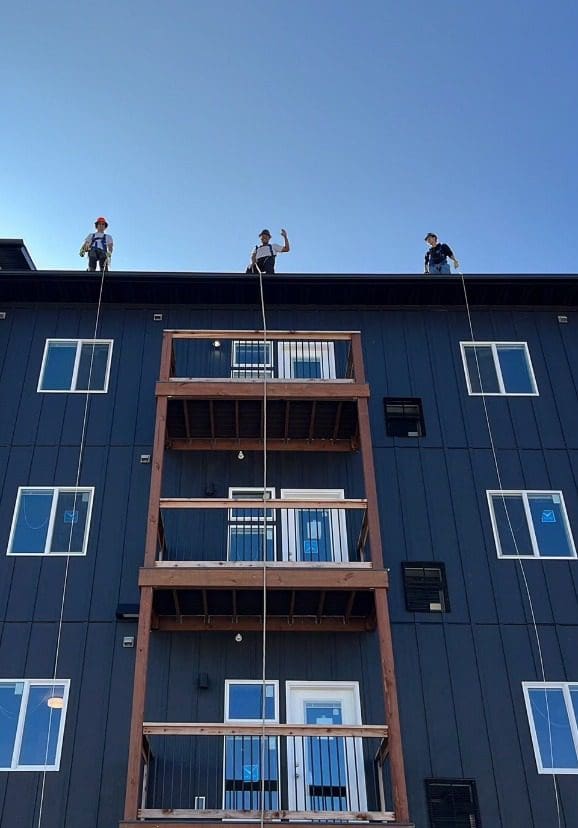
(459, 675)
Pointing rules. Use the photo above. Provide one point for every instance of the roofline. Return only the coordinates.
(347, 289)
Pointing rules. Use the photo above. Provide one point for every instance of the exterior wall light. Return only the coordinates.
(216, 343)
(241, 455)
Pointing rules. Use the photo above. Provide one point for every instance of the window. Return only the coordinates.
(452, 803)
(494, 368)
(247, 768)
(530, 524)
(404, 417)
(251, 358)
(32, 714)
(247, 531)
(425, 587)
(553, 716)
(75, 365)
(306, 360)
(314, 535)
(51, 521)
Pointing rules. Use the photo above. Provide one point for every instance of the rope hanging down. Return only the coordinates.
(512, 533)
(264, 547)
(67, 564)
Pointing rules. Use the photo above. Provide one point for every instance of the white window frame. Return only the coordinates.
(565, 686)
(252, 370)
(241, 493)
(72, 389)
(502, 390)
(318, 349)
(229, 720)
(297, 798)
(56, 490)
(28, 683)
(336, 519)
(491, 493)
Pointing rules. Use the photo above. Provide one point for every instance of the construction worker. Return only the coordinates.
(263, 256)
(436, 258)
(98, 245)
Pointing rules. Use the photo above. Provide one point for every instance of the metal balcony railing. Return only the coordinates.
(331, 532)
(201, 772)
(244, 355)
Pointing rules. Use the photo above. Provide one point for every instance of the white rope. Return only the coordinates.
(511, 528)
(264, 631)
(67, 565)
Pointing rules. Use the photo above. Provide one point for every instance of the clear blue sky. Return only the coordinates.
(358, 126)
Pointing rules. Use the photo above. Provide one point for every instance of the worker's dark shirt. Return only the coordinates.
(437, 255)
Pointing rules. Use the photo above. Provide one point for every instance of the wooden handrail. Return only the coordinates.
(257, 729)
(277, 503)
(299, 336)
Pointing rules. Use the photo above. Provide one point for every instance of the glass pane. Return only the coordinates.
(98, 374)
(32, 522)
(41, 726)
(326, 760)
(70, 522)
(306, 368)
(515, 369)
(246, 543)
(574, 698)
(245, 701)
(240, 513)
(552, 726)
(315, 535)
(252, 353)
(487, 369)
(550, 525)
(512, 525)
(59, 366)
(10, 700)
(243, 778)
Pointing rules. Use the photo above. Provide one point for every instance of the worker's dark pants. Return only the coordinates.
(96, 256)
(442, 267)
(266, 264)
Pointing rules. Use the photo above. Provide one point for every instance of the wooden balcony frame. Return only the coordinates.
(267, 729)
(394, 752)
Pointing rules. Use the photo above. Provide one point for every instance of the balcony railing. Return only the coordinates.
(245, 355)
(211, 772)
(301, 532)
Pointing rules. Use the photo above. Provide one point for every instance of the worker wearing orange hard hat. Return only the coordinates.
(98, 245)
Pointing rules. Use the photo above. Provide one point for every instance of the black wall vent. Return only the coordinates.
(404, 417)
(452, 803)
(425, 586)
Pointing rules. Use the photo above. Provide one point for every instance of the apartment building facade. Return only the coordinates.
(417, 516)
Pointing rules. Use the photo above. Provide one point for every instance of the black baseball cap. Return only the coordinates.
(435, 235)
(264, 231)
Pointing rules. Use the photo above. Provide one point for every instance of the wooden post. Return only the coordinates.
(381, 608)
(133, 775)
(146, 600)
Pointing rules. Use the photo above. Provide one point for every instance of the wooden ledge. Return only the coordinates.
(253, 390)
(335, 577)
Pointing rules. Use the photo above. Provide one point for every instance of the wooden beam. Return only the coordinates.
(199, 388)
(256, 444)
(211, 419)
(297, 336)
(297, 816)
(256, 503)
(186, 416)
(330, 578)
(178, 612)
(312, 420)
(337, 419)
(384, 636)
(244, 822)
(138, 705)
(287, 410)
(275, 623)
(257, 729)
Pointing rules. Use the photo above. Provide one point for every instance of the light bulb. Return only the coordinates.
(241, 456)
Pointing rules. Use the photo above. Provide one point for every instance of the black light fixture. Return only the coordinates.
(127, 612)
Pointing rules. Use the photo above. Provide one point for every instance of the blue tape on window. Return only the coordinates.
(548, 516)
(310, 547)
(70, 516)
(250, 773)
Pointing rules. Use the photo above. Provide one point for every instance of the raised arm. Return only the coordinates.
(286, 246)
